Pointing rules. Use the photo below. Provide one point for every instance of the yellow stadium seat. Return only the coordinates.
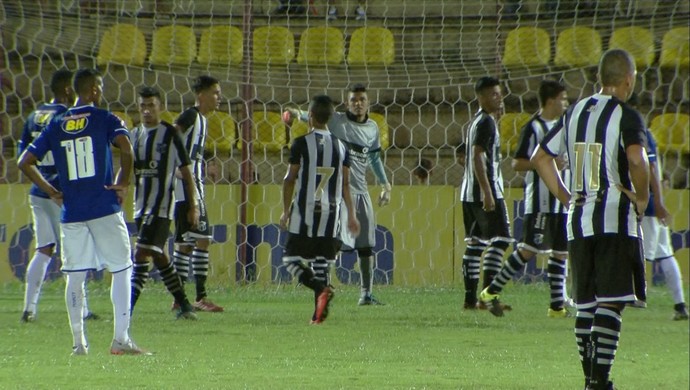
(173, 45)
(384, 137)
(273, 45)
(269, 131)
(637, 41)
(169, 116)
(527, 47)
(125, 118)
(221, 45)
(509, 126)
(122, 44)
(671, 132)
(371, 46)
(321, 46)
(298, 129)
(675, 48)
(221, 133)
(578, 47)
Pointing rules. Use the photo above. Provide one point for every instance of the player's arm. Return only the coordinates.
(377, 167)
(479, 170)
(27, 164)
(525, 147)
(352, 222)
(639, 175)
(26, 137)
(545, 165)
(660, 210)
(191, 194)
(288, 190)
(121, 185)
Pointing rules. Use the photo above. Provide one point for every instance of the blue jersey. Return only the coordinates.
(80, 142)
(35, 124)
(651, 155)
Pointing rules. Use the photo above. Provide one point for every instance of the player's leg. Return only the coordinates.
(617, 257)
(364, 244)
(494, 224)
(556, 267)
(297, 250)
(183, 250)
(46, 218)
(472, 257)
(326, 250)
(583, 284)
(669, 266)
(200, 262)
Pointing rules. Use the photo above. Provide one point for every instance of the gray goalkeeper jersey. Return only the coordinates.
(361, 139)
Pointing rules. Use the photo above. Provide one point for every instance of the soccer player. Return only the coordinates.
(604, 139)
(484, 211)
(193, 241)
(361, 136)
(158, 152)
(94, 234)
(545, 218)
(319, 174)
(44, 211)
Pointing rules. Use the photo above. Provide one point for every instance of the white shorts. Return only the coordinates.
(46, 216)
(367, 223)
(656, 239)
(96, 244)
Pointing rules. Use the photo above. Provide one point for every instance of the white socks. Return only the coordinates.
(120, 295)
(673, 279)
(35, 273)
(74, 297)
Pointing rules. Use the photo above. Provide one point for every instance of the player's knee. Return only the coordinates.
(203, 243)
(47, 250)
(160, 260)
(142, 255)
(526, 254)
(610, 305)
(365, 252)
(502, 245)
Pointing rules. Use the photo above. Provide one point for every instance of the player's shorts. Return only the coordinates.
(46, 216)
(657, 239)
(545, 233)
(96, 244)
(486, 226)
(367, 224)
(184, 233)
(153, 232)
(301, 247)
(607, 268)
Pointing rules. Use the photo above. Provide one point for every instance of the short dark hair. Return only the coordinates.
(203, 83)
(84, 79)
(485, 83)
(147, 92)
(423, 169)
(61, 79)
(549, 89)
(355, 88)
(321, 108)
(615, 64)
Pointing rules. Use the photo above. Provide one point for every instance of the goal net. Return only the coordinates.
(418, 59)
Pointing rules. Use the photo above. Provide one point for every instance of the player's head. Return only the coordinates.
(358, 101)
(61, 86)
(489, 94)
(207, 90)
(320, 111)
(88, 84)
(553, 98)
(423, 170)
(617, 73)
(149, 102)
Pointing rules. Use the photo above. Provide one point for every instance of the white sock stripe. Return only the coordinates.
(609, 313)
(604, 340)
(584, 314)
(603, 361)
(606, 351)
(606, 331)
(471, 258)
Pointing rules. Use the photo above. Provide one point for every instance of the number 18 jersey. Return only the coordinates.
(595, 133)
(80, 142)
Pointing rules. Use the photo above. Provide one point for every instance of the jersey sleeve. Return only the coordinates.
(651, 147)
(186, 119)
(41, 145)
(554, 141)
(296, 151)
(346, 154)
(181, 156)
(26, 137)
(527, 142)
(115, 126)
(484, 133)
(633, 131)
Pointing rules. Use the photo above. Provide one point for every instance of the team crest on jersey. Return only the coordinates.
(160, 147)
(74, 124)
(539, 239)
(202, 226)
(42, 118)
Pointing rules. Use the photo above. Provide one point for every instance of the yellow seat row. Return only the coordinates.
(527, 47)
(224, 45)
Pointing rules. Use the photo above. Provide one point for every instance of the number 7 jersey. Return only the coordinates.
(80, 142)
(595, 134)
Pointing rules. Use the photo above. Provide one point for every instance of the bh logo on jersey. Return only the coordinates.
(74, 124)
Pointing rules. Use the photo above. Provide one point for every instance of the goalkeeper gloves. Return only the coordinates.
(385, 196)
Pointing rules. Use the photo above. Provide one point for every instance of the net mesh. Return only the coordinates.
(419, 60)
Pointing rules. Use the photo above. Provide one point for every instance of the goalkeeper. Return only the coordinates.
(361, 135)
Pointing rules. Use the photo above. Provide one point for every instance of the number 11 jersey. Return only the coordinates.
(80, 142)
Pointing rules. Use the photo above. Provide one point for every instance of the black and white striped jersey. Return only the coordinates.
(158, 152)
(315, 209)
(595, 133)
(193, 125)
(538, 199)
(483, 132)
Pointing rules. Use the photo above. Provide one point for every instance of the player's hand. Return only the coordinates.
(662, 214)
(385, 196)
(284, 219)
(57, 197)
(120, 190)
(193, 215)
(489, 204)
(639, 206)
(561, 162)
(353, 225)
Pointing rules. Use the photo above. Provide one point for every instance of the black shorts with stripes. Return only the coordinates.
(309, 248)
(543, 232)
(153, 232)
(486, 225)
(184, 232)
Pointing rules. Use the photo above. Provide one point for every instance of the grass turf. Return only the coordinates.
(421, 339)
